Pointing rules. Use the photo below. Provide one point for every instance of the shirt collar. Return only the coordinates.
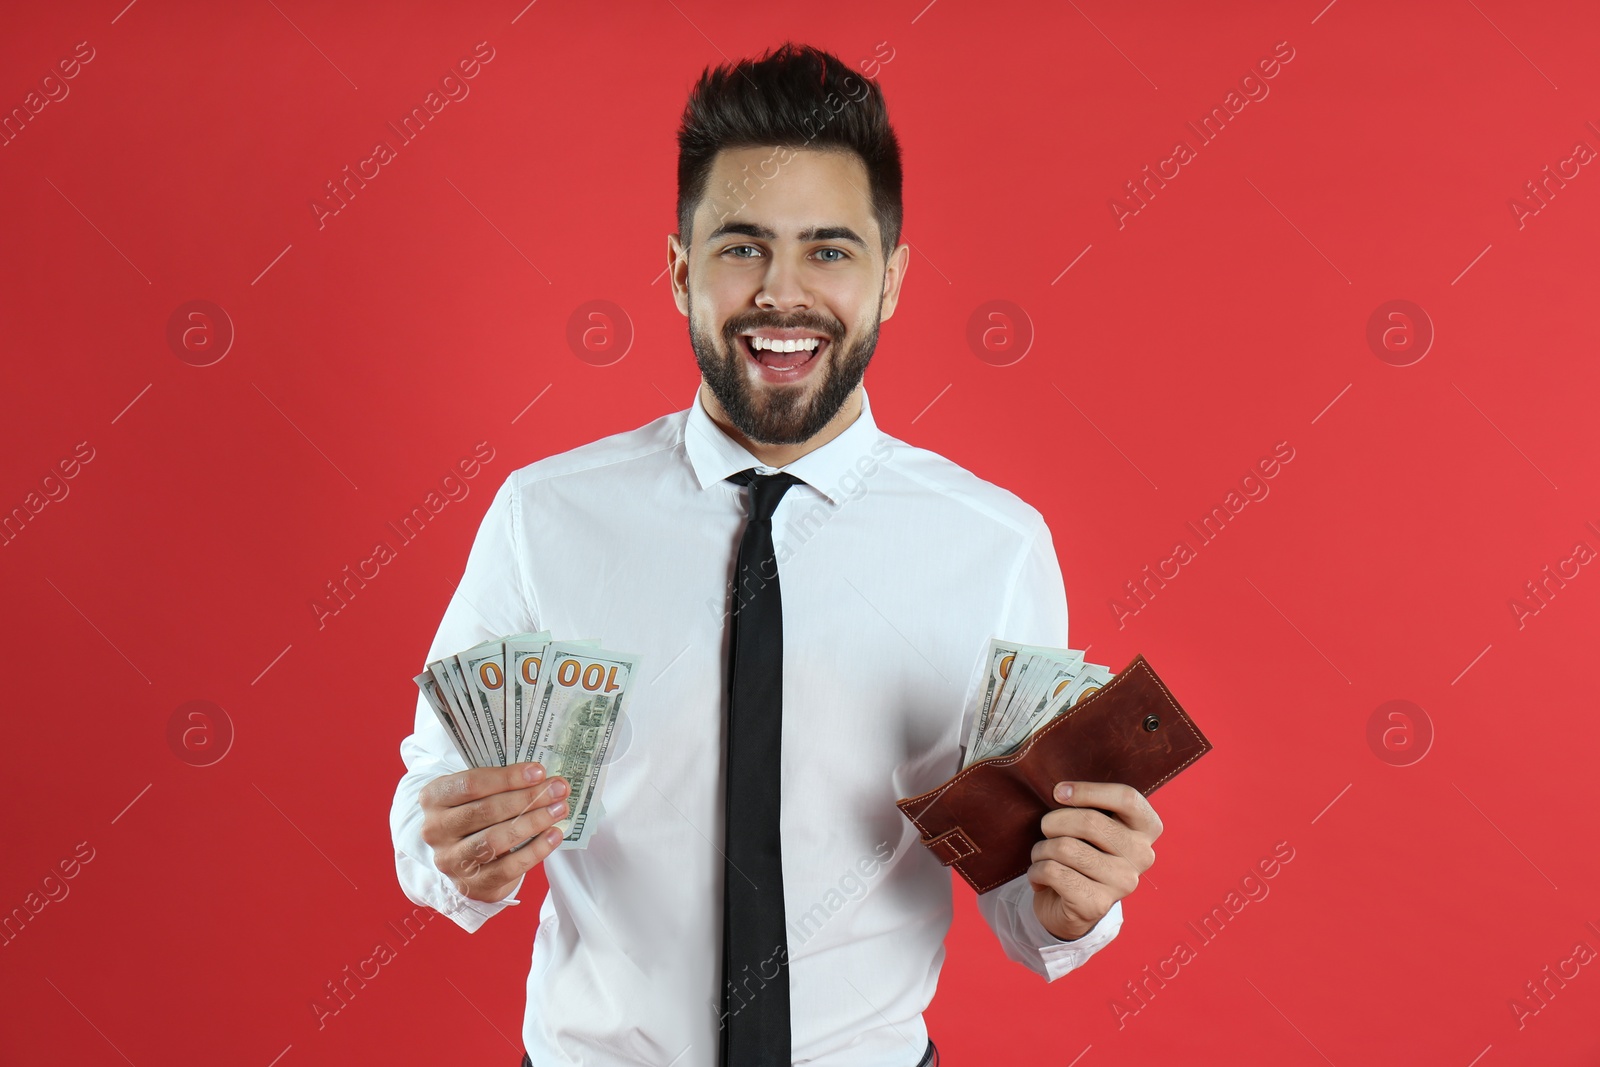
(715, 455)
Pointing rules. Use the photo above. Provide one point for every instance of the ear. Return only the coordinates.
(678, 272)
(893, 275)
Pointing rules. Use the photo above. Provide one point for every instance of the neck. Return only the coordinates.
(782, 455)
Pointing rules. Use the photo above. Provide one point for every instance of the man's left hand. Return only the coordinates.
(1090, 859)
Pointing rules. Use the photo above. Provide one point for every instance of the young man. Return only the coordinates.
(811, 648)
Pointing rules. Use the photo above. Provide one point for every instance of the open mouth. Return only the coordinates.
(782, 361)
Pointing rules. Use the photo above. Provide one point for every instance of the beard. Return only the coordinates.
(781, 414)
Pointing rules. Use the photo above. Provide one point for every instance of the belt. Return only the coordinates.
(930, 1058)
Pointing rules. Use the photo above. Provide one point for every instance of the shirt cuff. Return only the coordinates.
(438, 892)
(1060, 956)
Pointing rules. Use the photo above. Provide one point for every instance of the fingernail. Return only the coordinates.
(559, 808)
(553, 836)
(1064, 791)
(532, 772)
(558, 788)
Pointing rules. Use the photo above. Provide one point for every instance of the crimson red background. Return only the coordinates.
(1228, 314)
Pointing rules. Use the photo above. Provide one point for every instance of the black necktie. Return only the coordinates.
(755, 949)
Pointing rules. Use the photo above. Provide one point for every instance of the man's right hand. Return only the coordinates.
(473, 820)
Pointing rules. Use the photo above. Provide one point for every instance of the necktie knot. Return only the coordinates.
(765, 491)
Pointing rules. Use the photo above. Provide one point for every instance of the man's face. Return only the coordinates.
(785, 247)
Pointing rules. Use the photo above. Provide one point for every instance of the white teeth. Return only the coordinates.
(805, 345)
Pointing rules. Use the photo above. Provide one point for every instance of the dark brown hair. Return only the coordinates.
(795, 97)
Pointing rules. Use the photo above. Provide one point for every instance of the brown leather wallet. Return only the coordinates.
(985, 820)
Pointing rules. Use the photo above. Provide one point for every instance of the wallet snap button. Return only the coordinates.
(1151, 722)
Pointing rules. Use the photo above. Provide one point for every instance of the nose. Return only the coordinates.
(782, 289)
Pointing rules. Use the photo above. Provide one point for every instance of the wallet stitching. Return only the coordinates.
(933, 794)
(971, 847)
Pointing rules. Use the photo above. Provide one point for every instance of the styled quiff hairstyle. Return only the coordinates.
(795, 97)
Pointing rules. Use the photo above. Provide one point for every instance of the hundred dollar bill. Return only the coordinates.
(999, 657)
(488, 733)
(524, 658)
(440, 673)
(484, 668)
(583, 693)
(1026, 672)
(1092, 679)
(474, 695)
(1047, 678)
(531, 704)
(1017, 680)
(441, 709)
(1029, 667)
(1067, 693)
(480, 709)
(464, 714)
(1102, 675)
(1005, 659)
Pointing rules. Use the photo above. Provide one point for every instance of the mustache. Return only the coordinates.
(832, 331)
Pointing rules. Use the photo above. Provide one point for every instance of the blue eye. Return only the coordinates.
(839, 252)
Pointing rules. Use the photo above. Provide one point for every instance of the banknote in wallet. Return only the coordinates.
(984, 821)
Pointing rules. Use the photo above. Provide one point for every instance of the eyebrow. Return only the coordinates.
(765, 233)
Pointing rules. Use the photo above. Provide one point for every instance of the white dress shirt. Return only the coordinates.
(897, 566)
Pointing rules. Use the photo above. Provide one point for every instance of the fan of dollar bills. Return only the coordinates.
(525, 697)
(1027, 687)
